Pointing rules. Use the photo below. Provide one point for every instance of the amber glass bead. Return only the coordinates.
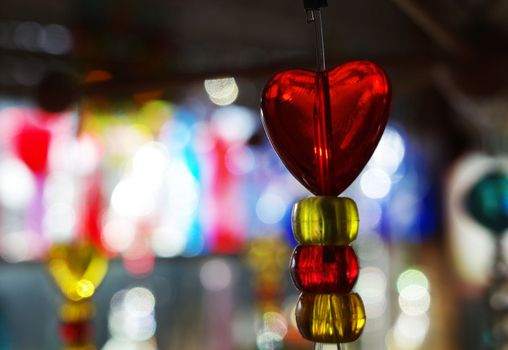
(76, 332)
(324, 268)
(77, 311)
(330, 318)
(325, 220)
(89, 346)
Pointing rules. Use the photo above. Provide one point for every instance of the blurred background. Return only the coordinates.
(131, 130)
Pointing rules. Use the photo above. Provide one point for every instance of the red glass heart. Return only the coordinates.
(325, 126)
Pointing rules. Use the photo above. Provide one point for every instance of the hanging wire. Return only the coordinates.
(314, 16)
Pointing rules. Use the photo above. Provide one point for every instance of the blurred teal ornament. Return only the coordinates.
(487, 202)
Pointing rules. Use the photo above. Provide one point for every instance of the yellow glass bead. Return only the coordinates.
(330, 318)
(80, 347)
(77, 268)
(77, 311)
(325, 220)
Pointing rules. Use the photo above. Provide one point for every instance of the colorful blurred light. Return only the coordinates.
(18, 246)
(234, 123)
(375, 183)
(132, 317)
(270, 208)
(389, 152)
(149, 165)
(222, 92)
(130, 198)
(215, 275)
(59, 222)
(17, 185)
(413, 288)
(118, 234)
(409, 332)
(239, 160)
(55, 39)
(371, 285)
(168, 241)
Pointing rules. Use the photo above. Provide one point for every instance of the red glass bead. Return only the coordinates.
(75, 332)
(324, 268)
(325, 126)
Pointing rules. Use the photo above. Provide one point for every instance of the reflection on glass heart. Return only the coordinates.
(77, 268)
(325, 126)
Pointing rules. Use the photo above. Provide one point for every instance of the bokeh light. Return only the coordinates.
(270, 208)
(372, 285)
(375, 183)
(85, 288)
(412, 277)
(26, 35)
(389, 153)
(222, 92)
(18, 246)
(413, 288)
(409, 332)
(17, 185)
(273, 329)
(215, 275)
(118, 234)
(234, 123)
(139, 302)
(132, 317)
(149, 164)
(55, 39)
(59, 221)
(268, 340)
(240, 160)
(130, 198)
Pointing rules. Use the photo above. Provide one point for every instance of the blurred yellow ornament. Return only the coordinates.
(153, 114)
(77, 268)
(268, 254)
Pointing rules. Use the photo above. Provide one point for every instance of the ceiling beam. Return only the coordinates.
(445, 39)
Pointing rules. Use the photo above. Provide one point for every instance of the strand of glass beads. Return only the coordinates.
(77, 268)
(324, 268)
(325, 125)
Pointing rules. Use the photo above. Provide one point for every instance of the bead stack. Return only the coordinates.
(77, 268)
(76, 328)
(324, 268)
(325, 125)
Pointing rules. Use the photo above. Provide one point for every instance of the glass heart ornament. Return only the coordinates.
(487, 202)
(77, 268)
(325, 125)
